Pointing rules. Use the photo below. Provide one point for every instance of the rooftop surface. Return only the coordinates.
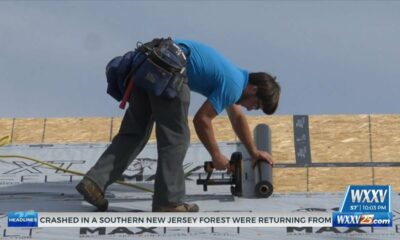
(27, 185)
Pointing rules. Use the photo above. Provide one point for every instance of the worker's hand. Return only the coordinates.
(261, 156)
(221, 162)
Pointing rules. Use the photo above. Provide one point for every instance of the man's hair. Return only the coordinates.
(268, 90)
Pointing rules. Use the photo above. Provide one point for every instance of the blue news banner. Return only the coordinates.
(365, 205)
(23, 219)
(362, 206)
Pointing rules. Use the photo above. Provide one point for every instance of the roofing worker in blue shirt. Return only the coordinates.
(224, 85)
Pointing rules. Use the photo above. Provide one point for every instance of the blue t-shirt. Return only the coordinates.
(214, 76)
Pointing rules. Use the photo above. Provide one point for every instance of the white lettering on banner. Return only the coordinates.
(203, 219)
(361, 196)
(182, 220)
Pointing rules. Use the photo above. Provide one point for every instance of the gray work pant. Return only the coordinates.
(173, 138)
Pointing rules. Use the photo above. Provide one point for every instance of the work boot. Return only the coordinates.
(92, 194)
(182, 207)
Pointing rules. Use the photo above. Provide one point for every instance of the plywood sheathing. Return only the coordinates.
(28, 130)
(77, 130)
(281, 136)
(388, 176)
(290, 180)
(340, 138)
(6, 125)
(334, 138)
(336, 179)
(222, 130)
(116, 124)
(385, 138)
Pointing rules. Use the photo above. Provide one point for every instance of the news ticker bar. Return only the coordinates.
(202, 219)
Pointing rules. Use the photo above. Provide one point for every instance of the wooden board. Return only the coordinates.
(222, 130)
(282, 136)
(335, 138)
(28, 130)
(281, 126)
(388, 176)
(6, 127)
(385, 132)
(290, 180)
(77, 130)
(332, 179)
(340, 138)
(116, 124)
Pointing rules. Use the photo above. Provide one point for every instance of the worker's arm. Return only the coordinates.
(205, 132)
(242, 130)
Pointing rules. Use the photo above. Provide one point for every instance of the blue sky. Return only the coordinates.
(330, 57)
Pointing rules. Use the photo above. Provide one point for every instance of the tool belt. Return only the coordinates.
(164, 70)
(158, 66)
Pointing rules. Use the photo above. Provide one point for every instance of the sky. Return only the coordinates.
(330, 57)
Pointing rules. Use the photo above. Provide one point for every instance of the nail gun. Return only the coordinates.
(236, 164)
(263, 187)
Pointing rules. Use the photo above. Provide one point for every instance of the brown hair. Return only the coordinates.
(268, 90)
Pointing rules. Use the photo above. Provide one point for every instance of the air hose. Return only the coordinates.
(6, 140)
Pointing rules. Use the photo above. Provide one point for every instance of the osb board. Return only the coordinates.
(339, 138)
(337, 179)
(385, 131)
(28, 130)
(6, 127)
(290, 180)
(77, 130)
(222, 130)
(281, 134)
(388, 176)
(117, 124)
(281, 128)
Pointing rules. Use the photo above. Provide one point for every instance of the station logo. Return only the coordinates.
(365, 206)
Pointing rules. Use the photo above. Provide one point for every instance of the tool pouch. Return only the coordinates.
(164, 69)
(158, 66)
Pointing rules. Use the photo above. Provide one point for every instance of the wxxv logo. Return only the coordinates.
(365, 206)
